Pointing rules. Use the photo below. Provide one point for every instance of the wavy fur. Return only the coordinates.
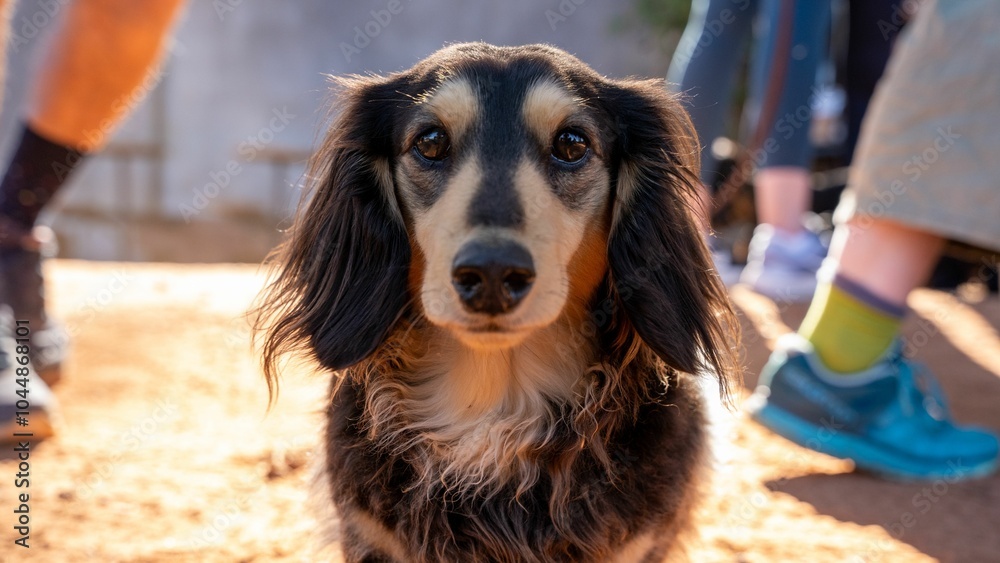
(583, 443)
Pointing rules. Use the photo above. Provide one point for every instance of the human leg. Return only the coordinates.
(854, 318)
(94, 74)
(863, 399)
(842, 385)
(705, 67)
(783, 255)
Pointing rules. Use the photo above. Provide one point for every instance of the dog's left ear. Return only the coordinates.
(661, 269)
(341, 276)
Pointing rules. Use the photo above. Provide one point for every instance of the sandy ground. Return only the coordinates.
(166, 451)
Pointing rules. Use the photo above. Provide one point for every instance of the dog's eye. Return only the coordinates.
(569, 146)
(432, 144)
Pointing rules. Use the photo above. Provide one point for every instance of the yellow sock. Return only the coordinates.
(849, 334)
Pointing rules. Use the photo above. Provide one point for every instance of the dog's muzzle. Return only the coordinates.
(492, 277)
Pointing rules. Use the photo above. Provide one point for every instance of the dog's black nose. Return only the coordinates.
(492, 277)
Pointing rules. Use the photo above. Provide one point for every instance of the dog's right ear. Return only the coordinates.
(339, 281)
(660, 266)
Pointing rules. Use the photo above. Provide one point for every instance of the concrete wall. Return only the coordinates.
(207, 167)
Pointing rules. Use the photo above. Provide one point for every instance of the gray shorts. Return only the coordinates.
(929, 153)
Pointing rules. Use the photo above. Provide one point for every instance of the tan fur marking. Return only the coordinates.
(383, 175)
(455, 103)
(636, 549)
(375, 534)
(587, 268)
(551, 233)
(546, 107)
(628, 179)
(440, 231)
(418, 266)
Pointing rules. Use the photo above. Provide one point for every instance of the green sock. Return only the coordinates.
(849, 327)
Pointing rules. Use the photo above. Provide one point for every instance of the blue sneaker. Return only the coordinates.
(890, 419)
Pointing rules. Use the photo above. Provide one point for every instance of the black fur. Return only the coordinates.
(622, 467)
(352, 269)
(666, 283)
(496, 204)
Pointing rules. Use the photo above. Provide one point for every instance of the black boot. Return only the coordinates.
(22, 288)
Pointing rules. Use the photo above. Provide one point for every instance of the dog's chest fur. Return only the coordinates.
(398, 500)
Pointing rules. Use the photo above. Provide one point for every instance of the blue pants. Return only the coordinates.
(707, 60)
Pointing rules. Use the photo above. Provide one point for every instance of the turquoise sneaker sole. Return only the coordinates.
(866, 456)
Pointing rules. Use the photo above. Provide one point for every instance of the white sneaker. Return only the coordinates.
(27, 406)
(783, 266)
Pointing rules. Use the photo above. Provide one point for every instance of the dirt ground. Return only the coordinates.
(166, 451)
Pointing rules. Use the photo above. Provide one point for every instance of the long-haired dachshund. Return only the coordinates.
(499, 260)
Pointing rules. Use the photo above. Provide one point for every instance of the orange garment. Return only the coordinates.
(104, 59)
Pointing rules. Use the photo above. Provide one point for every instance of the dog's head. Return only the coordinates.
(494, 190)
